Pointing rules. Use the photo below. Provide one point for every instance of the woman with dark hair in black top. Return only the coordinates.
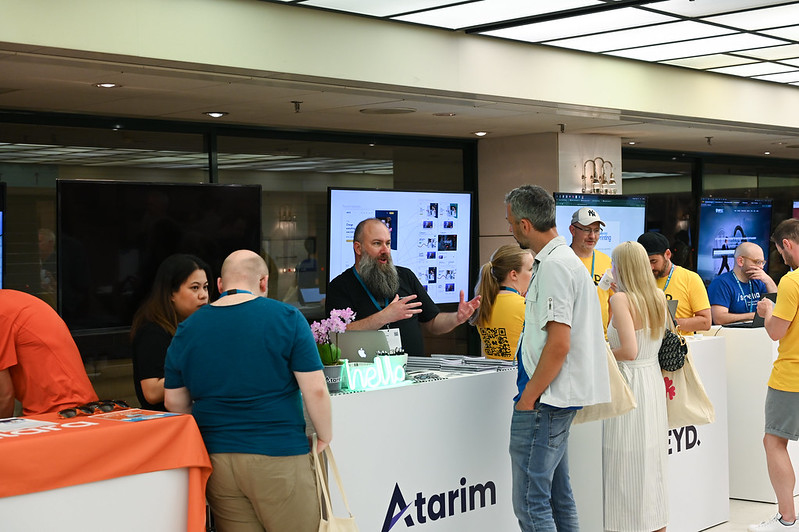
(180, 288)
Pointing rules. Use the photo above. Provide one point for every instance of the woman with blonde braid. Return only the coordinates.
(503, 283)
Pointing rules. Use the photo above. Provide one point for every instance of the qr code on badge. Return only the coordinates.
(495, 340)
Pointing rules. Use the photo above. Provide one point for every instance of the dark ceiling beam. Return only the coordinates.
(567, 13)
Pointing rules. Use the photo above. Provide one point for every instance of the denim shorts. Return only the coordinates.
(782, 414)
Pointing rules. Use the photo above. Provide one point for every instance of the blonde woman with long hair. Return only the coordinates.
(502, 286)
(634, 445)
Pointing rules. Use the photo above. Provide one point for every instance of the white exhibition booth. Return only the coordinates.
(155, 502)
(750, 356)
(434, 456)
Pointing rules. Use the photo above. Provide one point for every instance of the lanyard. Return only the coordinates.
(509, 289)
(751, 293)
(357, 276)
(593, 260)
(669, 279)
(234, 291)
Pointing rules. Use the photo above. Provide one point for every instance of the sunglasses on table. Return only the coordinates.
(93, 408)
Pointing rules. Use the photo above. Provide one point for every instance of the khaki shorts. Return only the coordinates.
(782, 414)
(253, 492)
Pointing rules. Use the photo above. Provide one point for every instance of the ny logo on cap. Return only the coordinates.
(591, 212)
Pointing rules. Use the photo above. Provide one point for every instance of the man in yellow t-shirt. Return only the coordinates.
(684, 286)
(585, 228)
(782, 397)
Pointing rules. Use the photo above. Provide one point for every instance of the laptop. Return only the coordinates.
(362, 346)
(672, 307)
(309, 296)
(758, 320)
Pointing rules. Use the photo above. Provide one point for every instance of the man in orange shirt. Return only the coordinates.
(40, 365)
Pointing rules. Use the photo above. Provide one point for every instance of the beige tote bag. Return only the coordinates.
(687, 402)
(329, 522)
(621, 397)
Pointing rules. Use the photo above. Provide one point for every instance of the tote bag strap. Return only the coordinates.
(321, 486)
(332, 462)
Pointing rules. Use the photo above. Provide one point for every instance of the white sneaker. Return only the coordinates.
(773, 525)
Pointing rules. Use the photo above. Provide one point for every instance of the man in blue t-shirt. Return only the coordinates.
(734, 295)
(240, 365)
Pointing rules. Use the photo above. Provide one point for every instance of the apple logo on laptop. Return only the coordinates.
(361, 353)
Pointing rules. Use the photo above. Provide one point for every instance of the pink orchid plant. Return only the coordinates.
(322, 331)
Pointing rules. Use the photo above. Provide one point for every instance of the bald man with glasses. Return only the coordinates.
(586, 228)
(734, 294)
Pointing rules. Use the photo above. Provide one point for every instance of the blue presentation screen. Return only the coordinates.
(723, 224)
(624, 216)
(430, 234)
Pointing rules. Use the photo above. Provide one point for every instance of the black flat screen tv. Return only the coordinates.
(430, 234)
(723, 224)
(112, 235)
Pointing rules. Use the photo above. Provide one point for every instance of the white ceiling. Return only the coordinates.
(59, 81)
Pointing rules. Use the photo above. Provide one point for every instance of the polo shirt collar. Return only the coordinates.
(549, 248)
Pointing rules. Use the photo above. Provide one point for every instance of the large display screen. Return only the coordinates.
(723, 224)
(113, 235)
(624, 216)
(430, 234)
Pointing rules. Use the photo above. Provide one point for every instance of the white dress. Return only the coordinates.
(634, 446)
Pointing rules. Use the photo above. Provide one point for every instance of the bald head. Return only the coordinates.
(244, 269)
(748, 261)
(749, 249)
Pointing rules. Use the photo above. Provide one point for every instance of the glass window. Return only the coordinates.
(294, 176)
(670, 206)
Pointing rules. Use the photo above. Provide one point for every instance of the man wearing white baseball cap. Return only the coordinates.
(585, 228)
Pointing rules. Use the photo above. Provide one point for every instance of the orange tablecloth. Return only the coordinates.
(91, 448)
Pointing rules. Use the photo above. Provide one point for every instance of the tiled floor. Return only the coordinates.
(745, 513)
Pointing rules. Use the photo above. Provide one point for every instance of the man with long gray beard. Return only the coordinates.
(382, 294)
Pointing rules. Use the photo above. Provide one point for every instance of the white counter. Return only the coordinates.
(425, 442)
(750, 355)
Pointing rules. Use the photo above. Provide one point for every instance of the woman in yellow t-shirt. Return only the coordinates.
(502, 286)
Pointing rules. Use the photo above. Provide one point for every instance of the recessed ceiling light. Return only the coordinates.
(388, 110)
(480, 133)
(215, 114)
(443, 114)
(631, 143)
(107, 85)
(766, 153)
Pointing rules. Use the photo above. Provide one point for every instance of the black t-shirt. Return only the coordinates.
(149, 353)
(346, 291)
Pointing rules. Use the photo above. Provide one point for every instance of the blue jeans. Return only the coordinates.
(542, 493)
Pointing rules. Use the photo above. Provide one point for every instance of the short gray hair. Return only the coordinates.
(533, 203)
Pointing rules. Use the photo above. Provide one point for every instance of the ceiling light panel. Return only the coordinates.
(773, 53)
(490, 11)
(754, 69)
(382, 8)
(710, 61)
(789, 32)
(786, 77)
(618, 19)
(758, 19)
(708, 7)
(648, 35)
(712, 45)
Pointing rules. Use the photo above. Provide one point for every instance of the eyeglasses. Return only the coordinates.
(93, 407)
(588, 230)
(759, 262)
